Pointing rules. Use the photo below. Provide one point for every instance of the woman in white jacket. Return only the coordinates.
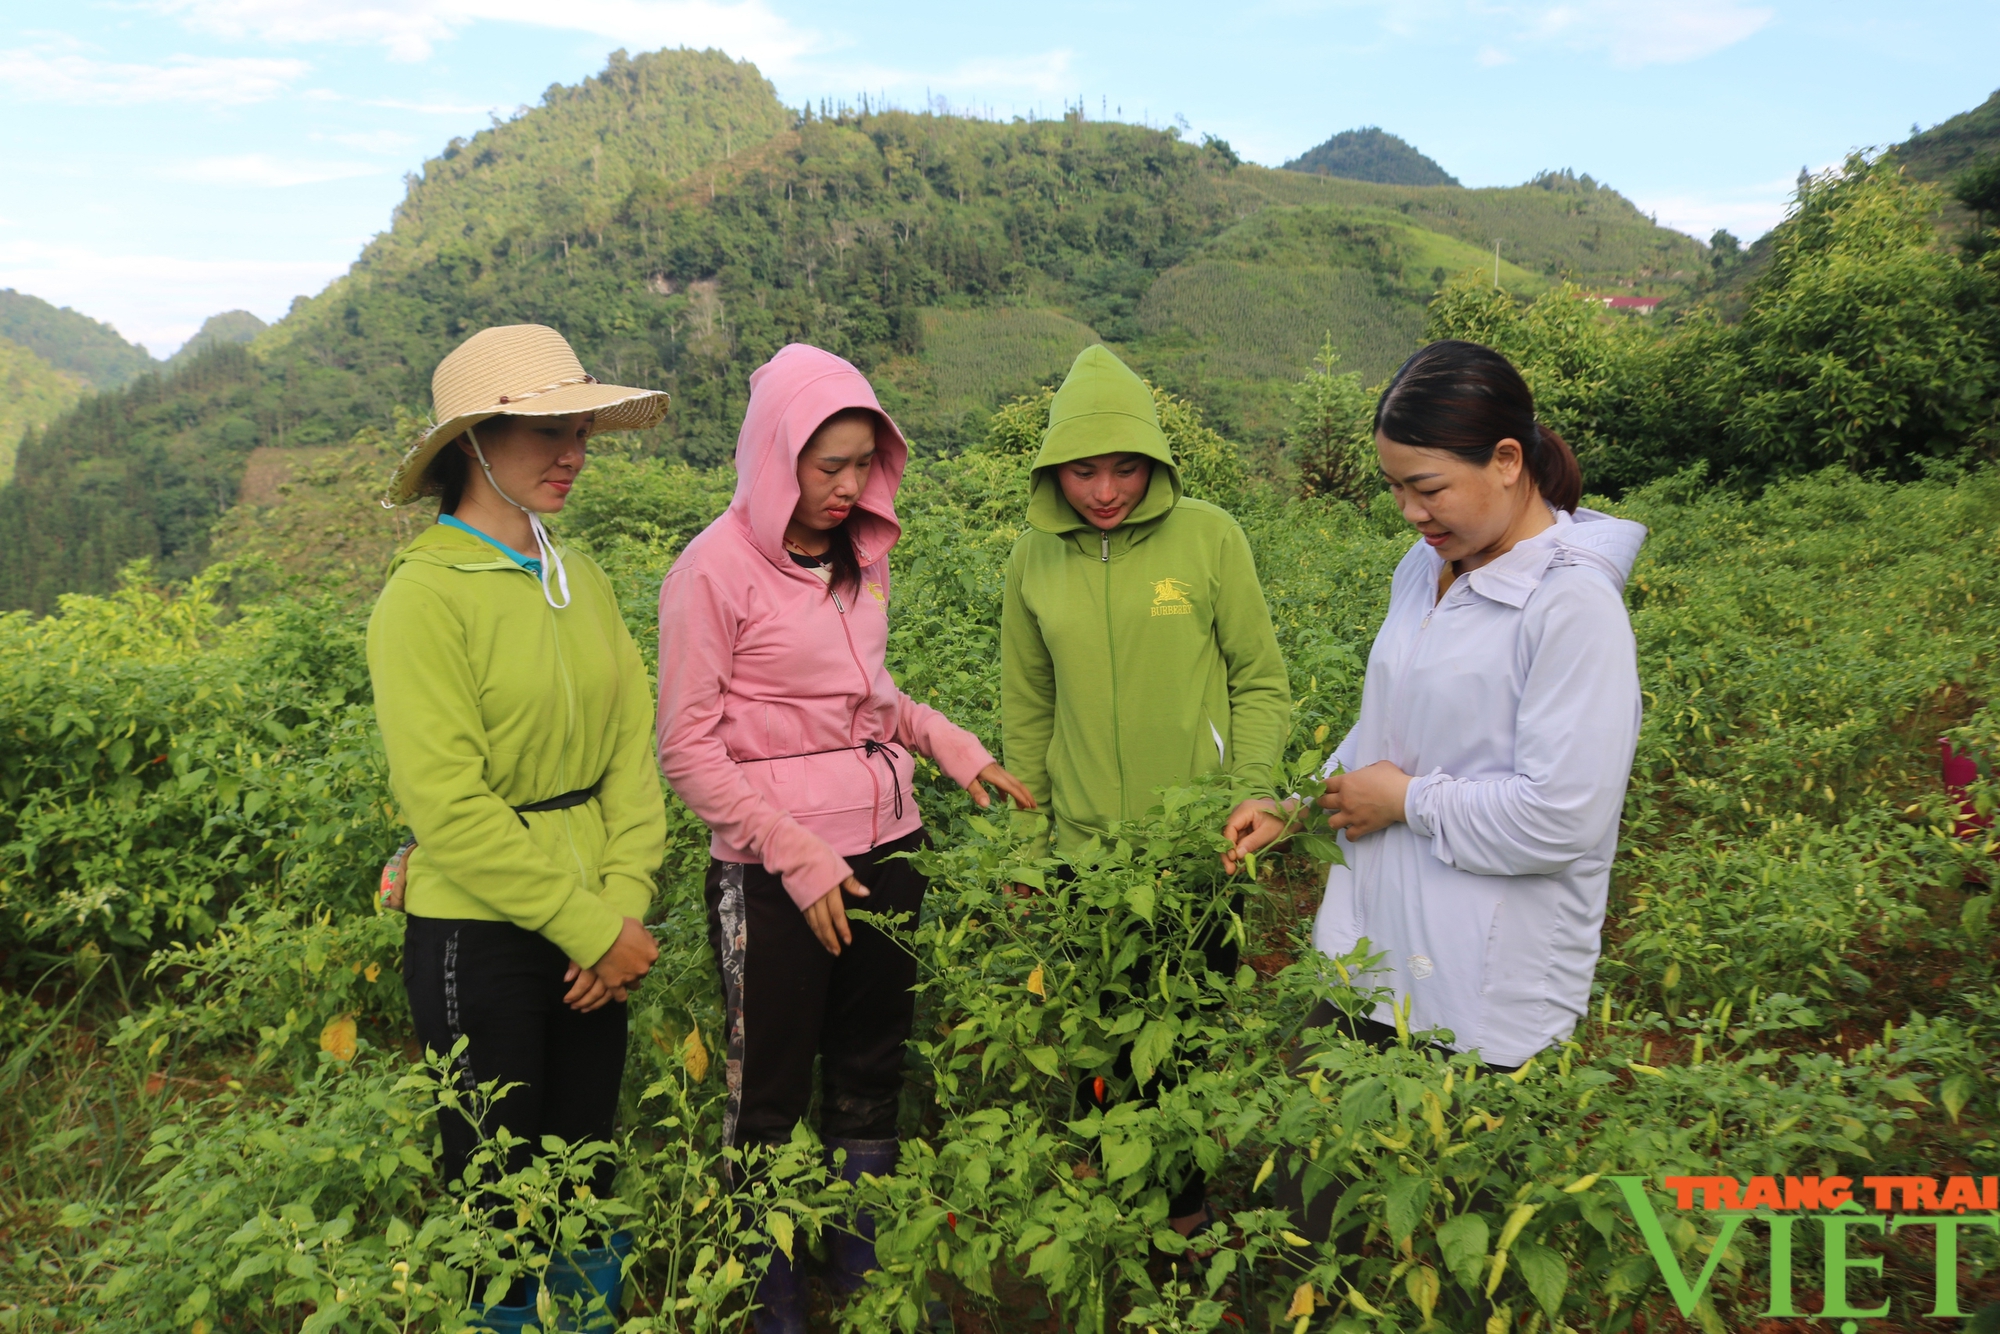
(1478, 808)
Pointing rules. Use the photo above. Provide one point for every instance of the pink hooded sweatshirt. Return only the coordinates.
(774, 701)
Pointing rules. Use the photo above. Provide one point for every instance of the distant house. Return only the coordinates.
(1644, 305)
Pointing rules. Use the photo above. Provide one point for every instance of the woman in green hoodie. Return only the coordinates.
(1136, 649)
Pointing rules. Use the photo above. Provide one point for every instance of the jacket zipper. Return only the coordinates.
(569, 737)
(1416, 646)
(875, 785)
(1111, 653)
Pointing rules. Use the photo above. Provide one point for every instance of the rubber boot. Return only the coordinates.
(781, 1298)
(853, 1253)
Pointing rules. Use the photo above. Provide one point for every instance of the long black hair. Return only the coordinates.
(445, 477)
(1465, 399)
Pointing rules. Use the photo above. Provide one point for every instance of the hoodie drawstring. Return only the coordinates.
(545, 547)
(874, 748)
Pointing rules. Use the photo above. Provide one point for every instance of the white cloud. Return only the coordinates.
(1045, 74)
(265, 171)
(1492, 56)
(1635, 33)
(372, 141)
(66, 75)
(411, 29)
(427, 108)
(1747, 211)
(158, 301)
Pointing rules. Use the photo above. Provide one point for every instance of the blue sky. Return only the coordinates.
(167, 159)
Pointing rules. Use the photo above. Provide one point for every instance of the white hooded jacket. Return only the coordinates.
(1514, 701)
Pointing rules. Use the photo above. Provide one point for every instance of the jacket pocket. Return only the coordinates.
(831, 783)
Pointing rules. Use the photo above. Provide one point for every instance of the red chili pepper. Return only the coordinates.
(1097, 1086)
(951, 1221)
(1232, 1317)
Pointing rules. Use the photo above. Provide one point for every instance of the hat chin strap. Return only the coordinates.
(545, 547)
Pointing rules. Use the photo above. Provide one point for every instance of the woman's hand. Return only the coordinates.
(827, 915)
(1003, 780)
(587, 991)
(630, 958)
(1253, 826)
(1366, 801)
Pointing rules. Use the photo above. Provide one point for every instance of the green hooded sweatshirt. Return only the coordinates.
(1139, 658)
(489, 698)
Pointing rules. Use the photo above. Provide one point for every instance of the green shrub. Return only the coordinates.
(1800, 652)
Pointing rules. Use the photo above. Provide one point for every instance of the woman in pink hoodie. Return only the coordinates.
(781, 728)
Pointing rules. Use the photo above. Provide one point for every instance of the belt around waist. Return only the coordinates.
(561, 803)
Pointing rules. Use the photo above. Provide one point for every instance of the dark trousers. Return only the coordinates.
(786, 1001)
(501, 987)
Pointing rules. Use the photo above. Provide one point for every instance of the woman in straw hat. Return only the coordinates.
(517, 717)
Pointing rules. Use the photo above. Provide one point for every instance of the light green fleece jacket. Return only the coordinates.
(489, 698)
(1135, 659)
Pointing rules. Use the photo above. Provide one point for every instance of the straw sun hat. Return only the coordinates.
(525, 370)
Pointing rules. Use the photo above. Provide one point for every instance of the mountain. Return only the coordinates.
(87, 348)
(32, 392)
(231, 326)
(1938, 155)
(49, 357)
(1371, 154)
(1949, 147)
(679, 225)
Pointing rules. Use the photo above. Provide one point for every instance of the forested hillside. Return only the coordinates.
(1371, 154)
(1939, 155)
(231, 326)
(31, 392)
(679, 225)
(89, 349)
(1950, 146)
(49, 357)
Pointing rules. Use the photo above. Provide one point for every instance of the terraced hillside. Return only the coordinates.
(680, 225)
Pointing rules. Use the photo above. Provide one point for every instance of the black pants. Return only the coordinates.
(501, 988)
(786, 1001)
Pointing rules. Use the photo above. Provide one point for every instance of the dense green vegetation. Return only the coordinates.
(679, 225)
(1794, 979)
(49, 357)
(1865, 341)
(231, 326)
(1371, 154)
(31, 392)
(77, 344)
(1947, 148)
(138, 472)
